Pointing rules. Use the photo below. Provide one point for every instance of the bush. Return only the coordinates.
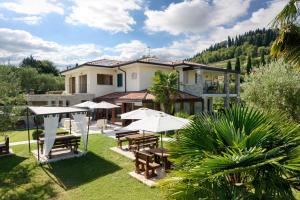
(242, 153)
(274, 87)
(35, 132)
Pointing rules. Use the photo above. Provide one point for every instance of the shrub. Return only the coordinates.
(242, 153)
(35, 132)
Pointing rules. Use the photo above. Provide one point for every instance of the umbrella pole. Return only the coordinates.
(162, 153)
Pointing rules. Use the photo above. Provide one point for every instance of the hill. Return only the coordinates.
(253, 43)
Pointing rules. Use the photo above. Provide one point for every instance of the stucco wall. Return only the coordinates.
(147, 73)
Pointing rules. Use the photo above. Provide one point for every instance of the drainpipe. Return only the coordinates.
(124, 78)
(178, 85)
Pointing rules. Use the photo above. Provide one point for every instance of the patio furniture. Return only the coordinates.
(161, 154)
(59, 133)
(101, 123)
(145, 163)
(121, 137)
(4, 146)
(132, 138)
(150, 141)
(68, 141)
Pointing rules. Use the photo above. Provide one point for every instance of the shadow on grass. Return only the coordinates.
(16, 181)
(7, 163)
(77, 171)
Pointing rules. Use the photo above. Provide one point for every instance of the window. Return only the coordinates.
(119, 80)
(196, 78)
(104, 79)
(83, 84)
(133, 75)
(185, 77)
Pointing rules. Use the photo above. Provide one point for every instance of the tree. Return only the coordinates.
(287, 43)
(241, 153)
(229, 44)
(165, 89)
(262, 58)
(31, 79)
(237, 65)
(42, 66)
(274, 87)
(10, 97)
(229, 65)
(249, 65)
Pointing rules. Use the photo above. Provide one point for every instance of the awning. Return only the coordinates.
(44, 110)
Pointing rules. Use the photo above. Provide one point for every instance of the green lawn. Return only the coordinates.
(101, 174)
(17, 136)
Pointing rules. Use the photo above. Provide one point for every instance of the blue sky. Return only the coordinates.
(75, 31)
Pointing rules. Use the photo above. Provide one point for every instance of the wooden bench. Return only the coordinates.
(4, 146)
(150, 141)
(69, 142)
(41, 135)
(145, 163)
(121, 137)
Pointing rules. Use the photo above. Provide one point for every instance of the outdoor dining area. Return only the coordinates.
(141, 140)
(151, 158)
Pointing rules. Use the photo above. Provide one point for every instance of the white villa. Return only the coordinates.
(126, 82)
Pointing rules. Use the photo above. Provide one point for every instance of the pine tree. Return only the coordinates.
(237, 65)
(262, 58)
(249, 65)
(229, 65)
(229, 42)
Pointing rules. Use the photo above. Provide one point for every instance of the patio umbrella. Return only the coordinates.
(140, 113)
(86, 104)
(160, 122)
(104, 105)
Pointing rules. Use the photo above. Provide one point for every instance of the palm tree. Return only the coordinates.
(239, 154)
(287, 43)
(165, 89)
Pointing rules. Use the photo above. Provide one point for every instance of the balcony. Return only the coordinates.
(217, 87)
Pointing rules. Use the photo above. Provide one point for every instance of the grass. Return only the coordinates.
(17, 136)
(101, 174)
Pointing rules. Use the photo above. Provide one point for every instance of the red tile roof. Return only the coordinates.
(143, 95)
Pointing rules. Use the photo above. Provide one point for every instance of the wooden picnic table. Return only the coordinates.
(63, 141)
(136, 140)
(158, 154)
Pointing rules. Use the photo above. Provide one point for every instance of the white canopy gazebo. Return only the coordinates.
(51, 118)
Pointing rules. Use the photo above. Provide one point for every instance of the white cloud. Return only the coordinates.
(17, 44)
(195, 16)
(33, 7)
(127, 51)
(259, 19)
(195, 43)
(30, 20)
(113, 16)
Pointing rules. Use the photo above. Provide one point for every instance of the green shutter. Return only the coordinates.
(120, 80)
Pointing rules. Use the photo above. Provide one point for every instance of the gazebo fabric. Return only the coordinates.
(50, 124)
(81, 123)
(86, 104)
(44, 110)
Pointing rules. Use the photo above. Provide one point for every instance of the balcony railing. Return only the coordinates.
(211, 87)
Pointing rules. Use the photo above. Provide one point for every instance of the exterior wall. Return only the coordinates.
(48, 99)
(147, 72)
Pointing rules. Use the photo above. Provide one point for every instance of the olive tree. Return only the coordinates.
(274, 87)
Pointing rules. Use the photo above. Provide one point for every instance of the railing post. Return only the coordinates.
(226, 88)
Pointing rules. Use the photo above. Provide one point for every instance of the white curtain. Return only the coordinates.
(50, 124)
(81, 123)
